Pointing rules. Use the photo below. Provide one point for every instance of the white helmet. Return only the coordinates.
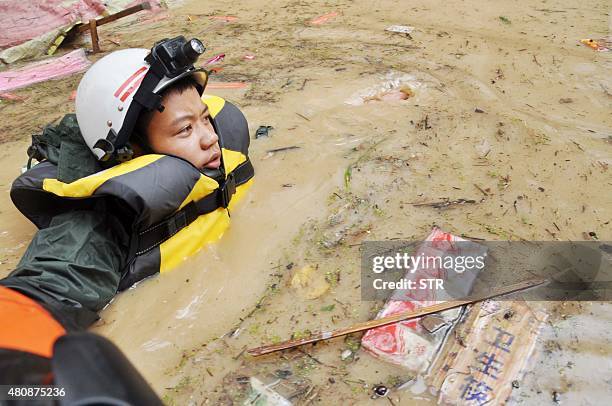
(118, 87)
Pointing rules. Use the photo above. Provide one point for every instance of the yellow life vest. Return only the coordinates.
(169, 207)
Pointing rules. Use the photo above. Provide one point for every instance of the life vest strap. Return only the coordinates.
(220, 197)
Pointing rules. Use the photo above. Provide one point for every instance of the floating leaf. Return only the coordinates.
(309, 283)
(347, 176)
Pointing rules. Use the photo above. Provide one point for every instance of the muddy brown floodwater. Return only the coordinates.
(499, 104)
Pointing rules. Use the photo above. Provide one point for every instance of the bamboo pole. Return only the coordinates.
(113, 17)
(93, 28)
(394, 318)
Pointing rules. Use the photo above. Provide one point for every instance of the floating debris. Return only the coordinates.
(599, 45)
(263, 131)
(380, 391)
(393, 87)
(11, 97)
(273, 151)
(226, 85)
(227, 19)
(401, 29)
(324, 18)
(445, 203)
(500, 346)
(309, 283)
(262, 394)
(391, 95)
(346, 354)
(215, 59)
(409, 344)
(55, 68)
(328, 308)
(432, 323)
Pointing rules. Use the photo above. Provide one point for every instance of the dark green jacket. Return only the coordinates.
(73, 266)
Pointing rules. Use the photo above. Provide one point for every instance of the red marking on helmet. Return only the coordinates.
(127, 82)
(132, 88)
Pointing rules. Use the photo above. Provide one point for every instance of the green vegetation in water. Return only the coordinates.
(298, 335)
(168, 400)
(328, 308)
(348, 173)
(183, 383)
(352, 343)
(332, 277)
(275, 339)
(299, 236)
(305, 365)
(347, 176)
(395, 381)
(505, 20)
(254, 329)
(378, 211)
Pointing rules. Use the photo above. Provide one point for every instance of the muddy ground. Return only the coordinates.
(506, 109)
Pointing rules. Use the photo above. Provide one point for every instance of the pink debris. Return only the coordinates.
(11, 97)
(72, 96)
(55, 68)
(23, 20)
(407, 343)
(249, 57)
(227, 19)
(324, 18)
(226, 85)
(215, 59)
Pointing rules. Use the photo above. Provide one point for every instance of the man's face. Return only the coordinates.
(184, 129)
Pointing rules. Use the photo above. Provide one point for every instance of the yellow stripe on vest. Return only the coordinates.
(203, 187)
(214, 103)
(204, 230)
(86, 186)
(231, 159)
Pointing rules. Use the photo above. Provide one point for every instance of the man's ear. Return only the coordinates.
(137, 149)
(140, 144)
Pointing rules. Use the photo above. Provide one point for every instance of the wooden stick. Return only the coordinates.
(123, 13)
(394, 318)
(93, 28)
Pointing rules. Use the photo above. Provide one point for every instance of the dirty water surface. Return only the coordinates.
(511, 114)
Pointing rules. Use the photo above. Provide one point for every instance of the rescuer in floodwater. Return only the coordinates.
(140, 178)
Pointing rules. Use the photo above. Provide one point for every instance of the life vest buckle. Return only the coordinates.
(227, 190)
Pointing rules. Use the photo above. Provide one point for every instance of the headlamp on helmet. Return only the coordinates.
(176, 55)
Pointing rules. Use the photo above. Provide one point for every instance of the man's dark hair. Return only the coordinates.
(139, 135)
